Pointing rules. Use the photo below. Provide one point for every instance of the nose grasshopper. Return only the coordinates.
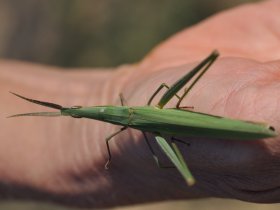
(166, 121)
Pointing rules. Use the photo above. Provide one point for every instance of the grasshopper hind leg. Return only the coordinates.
(173, 139)
(210, 61)
(159, 164)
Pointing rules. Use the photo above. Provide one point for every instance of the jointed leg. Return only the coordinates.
(108, 147)
(186, 107)
(157, 91)
(173, 139)
(187, 90)
(154, 154)
(122, 99)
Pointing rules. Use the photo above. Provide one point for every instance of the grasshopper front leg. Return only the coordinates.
(108, 146)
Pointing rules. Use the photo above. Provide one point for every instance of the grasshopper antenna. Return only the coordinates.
(42, 103)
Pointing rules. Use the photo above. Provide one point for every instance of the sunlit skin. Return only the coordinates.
(65, 157)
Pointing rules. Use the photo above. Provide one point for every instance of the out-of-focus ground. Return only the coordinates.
(200, 204)
(92, 33)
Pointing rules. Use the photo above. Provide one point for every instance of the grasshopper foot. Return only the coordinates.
(107, 164)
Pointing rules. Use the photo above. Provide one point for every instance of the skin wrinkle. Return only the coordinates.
(265, 84)
(239, 89)
(75, 154)
(33, 176)
(129, 89)
(82, 154)
(90, 128)
(219, 103)
(119, 80)
(226, 95)
(108, 90)
(209, 182)
(260, 105)
(232, 181)
(85, 161)
(62, 155)
(241, 102)
(239, 178)
(87, 131)
(259, 196)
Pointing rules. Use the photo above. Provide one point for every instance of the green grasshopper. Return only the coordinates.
(166, 121)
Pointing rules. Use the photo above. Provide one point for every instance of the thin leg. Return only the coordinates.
(179, 84)
(186, 107)
(108, 147)
(157, 91)
(173, 139)
(187, 90)
(122, 99)
(154, 154)
(180, 164)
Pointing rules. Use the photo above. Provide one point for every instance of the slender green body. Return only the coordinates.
(174, 122)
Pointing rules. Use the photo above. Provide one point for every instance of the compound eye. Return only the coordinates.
(74, 115)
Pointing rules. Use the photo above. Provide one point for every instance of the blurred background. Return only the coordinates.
(95, 33)
(72, 33)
